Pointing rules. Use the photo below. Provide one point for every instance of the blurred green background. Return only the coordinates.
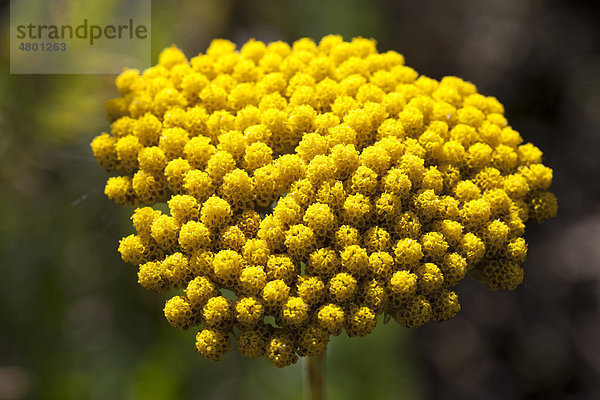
(74, 323)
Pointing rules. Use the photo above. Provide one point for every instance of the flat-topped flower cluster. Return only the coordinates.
(312, 188)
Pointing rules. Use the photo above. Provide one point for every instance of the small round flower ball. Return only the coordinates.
(215, 212)
(252, 280)
(172, 142)
(303, 192)
(323, 262)
(273, 232)
(331, 317)
(199, 291)
(237, 189)
(311, 290)
(288, 211)
(516, 250)
(148, 188)
(374, 294)
(178, 266)
(194, 235)
(275, 293)
(152, 159)
(345, 236)
(227, 266)
(381, 264)
(320, 169)
(281, 267)
(312, 340)
(219, 165)
(256, 252)
(175, 172)
(454, 268)
(218, 312)
(105, 152)
(147, 129)
(183, 208)
(312, 145)
(281, 350)
(364, 181)
(403, 286)
(357, 210)
(120, 190)
(345, 159)
(355, 260)
(152, 276)
(472, 248)
(433, 246)
(232, 238)
(300, 241)
(252, 343)
(544, 206)
(179, 313)
(445, 305)
(198, 184)
(212, 343)
(128, 148)
(360, 321)
(257, 155)
(377, 239)
(198, 151)
(294, 312)
(407, 252)
(249, 311)
(407, 225)
(132, 249)
(165, 232)
(415, 313)
(333, 194)
(429, 278)
(342, 288)
(320, 219)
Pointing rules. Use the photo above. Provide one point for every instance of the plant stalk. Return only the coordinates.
(315, 377)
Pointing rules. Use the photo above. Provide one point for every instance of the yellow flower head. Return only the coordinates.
(312, 187)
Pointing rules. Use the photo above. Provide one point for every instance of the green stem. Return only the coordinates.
(315, 376)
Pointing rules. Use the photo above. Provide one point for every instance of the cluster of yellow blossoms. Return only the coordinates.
(311, 188)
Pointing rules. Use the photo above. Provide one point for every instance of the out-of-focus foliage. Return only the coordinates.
(75, 324)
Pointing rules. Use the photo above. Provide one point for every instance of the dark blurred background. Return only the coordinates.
(74, 323)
